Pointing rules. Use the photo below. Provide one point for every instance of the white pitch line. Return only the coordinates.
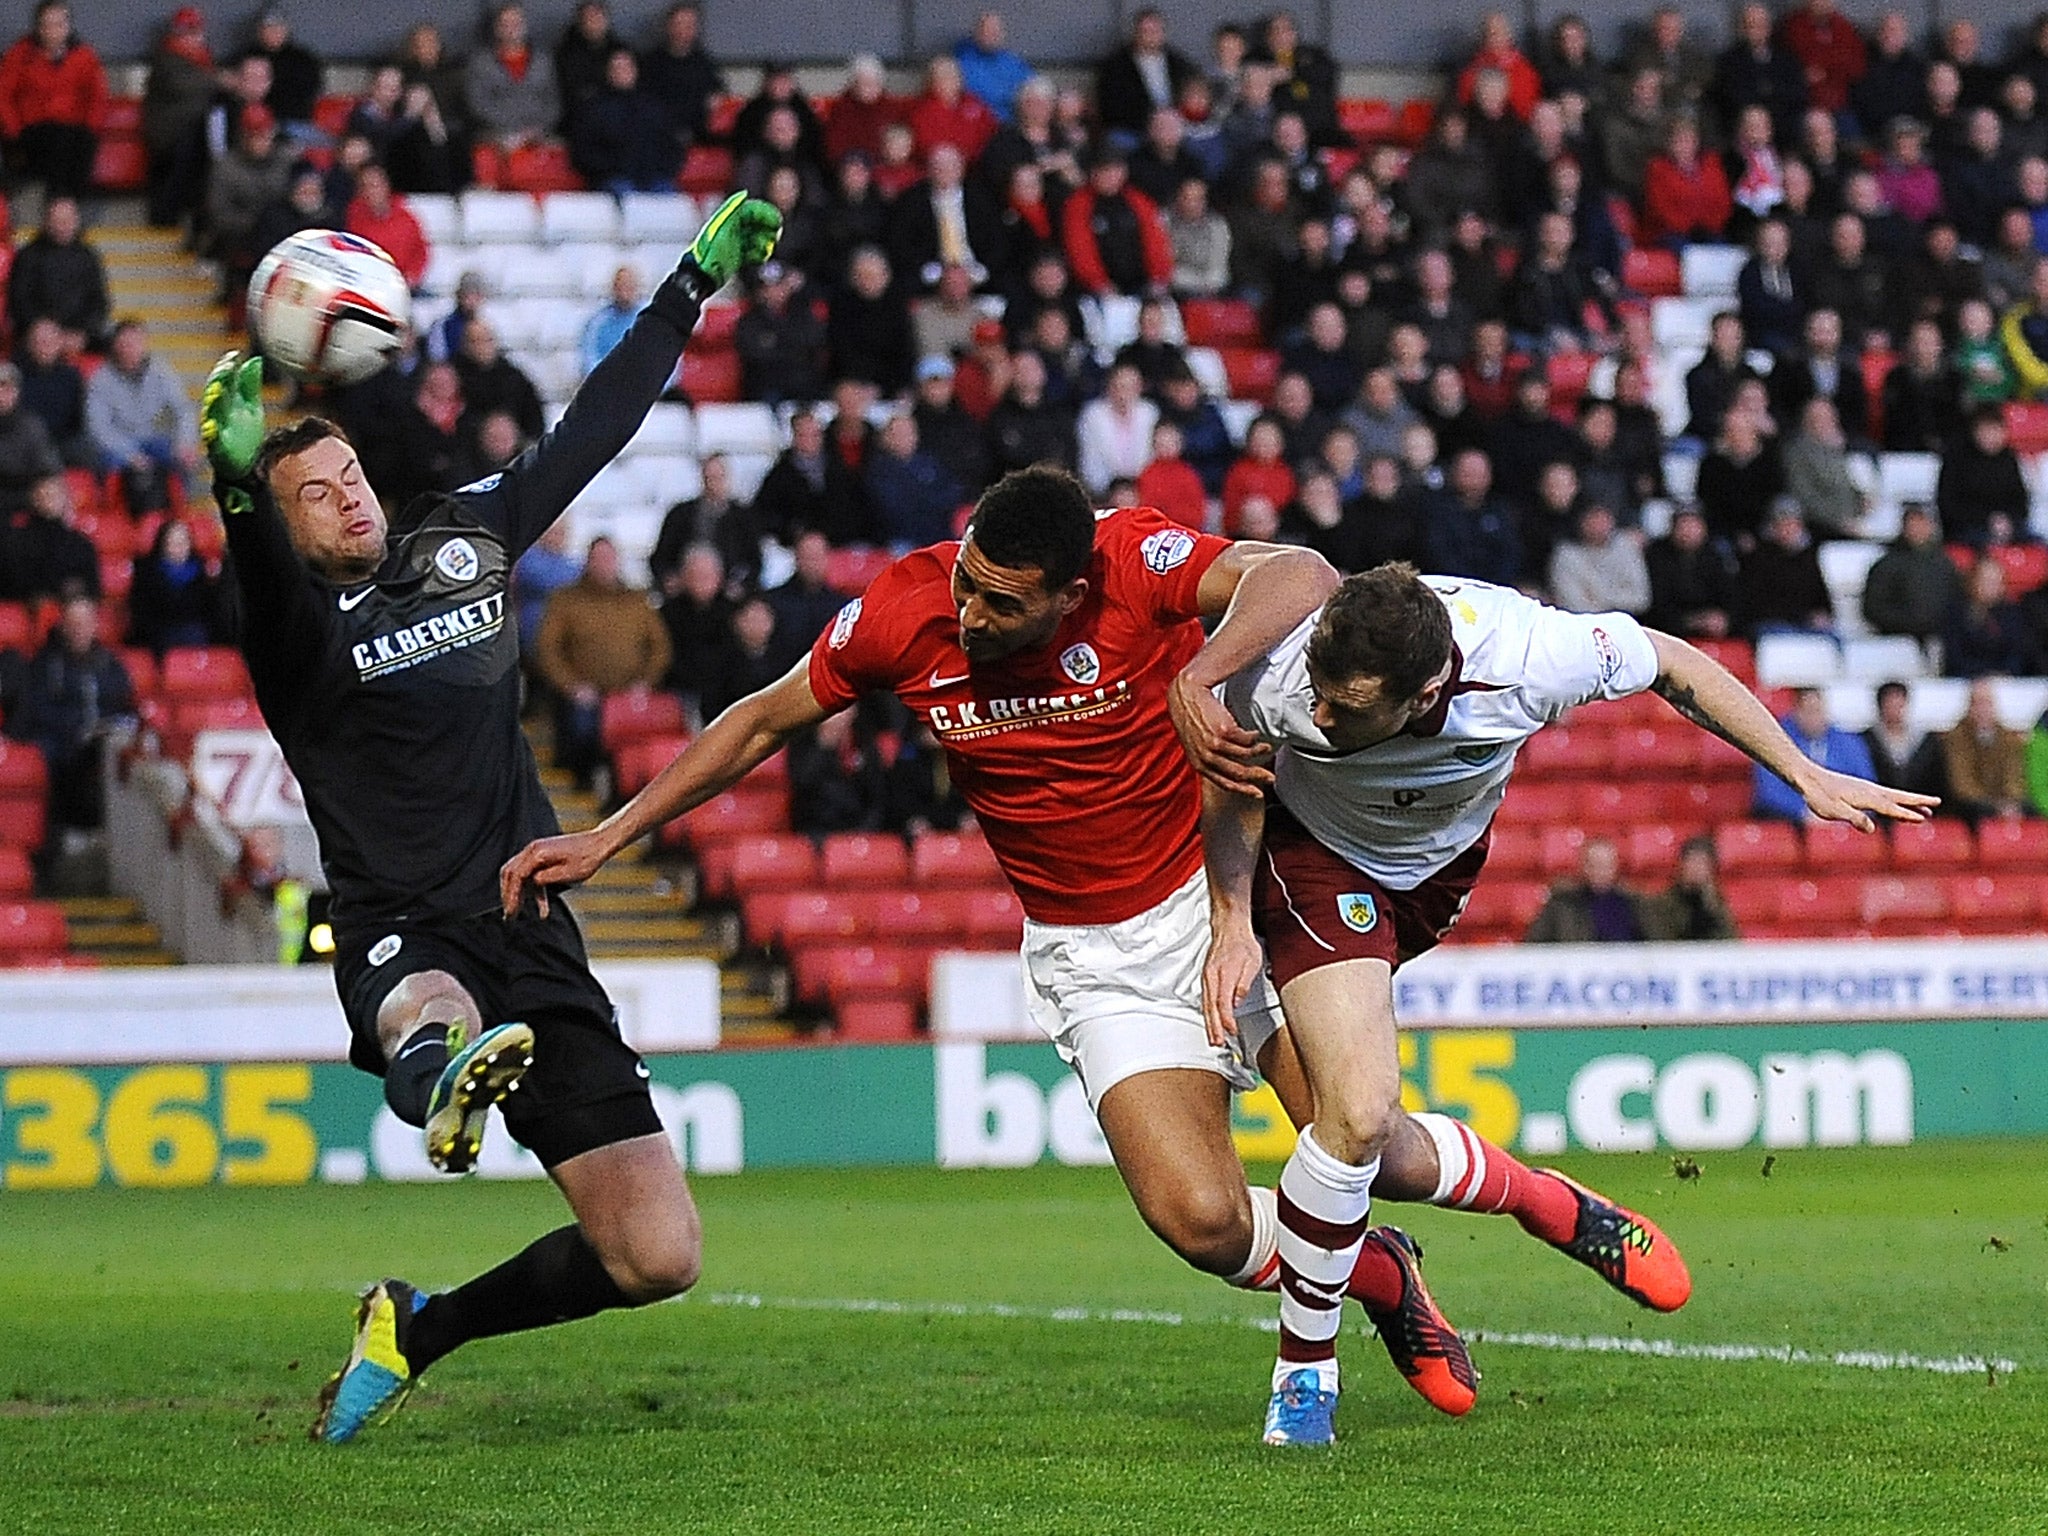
(1562, 1343)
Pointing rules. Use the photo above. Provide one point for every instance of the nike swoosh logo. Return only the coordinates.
(348, 601)
(945, 682)
(418, 1045)
(641, 1068)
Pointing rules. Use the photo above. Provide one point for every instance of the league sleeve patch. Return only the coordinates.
(1609, 656)
(479, 487)
(842, 627)
(1167, 550)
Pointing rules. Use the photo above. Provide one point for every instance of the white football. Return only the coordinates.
(328, 307)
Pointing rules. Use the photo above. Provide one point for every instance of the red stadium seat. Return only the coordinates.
(996, 915)
(188, 717)
(2013, 845)
(1536, 804)
(1670, 749)
(724, 113)
(875, 1020)
(32, 928)
(953, 858)
(1712, 804)
(1924, 846)
(1735, 655)
(203, 671)
(1571, 374)
(850, 570)
(17, 628)
(1567, 752)
(731, 814)
(1651, 850)
(1562, 847)
(540, 169)
(1835, 846)
(22, 770)
(2026, 567)
(710, 378)
(121, 114)
(23, 823)
(1616, 803)
(1252, 372)
(868, 859)
(1220, 323)
(1621, 714)
(1652, 273)
(1514, 851)
(1723, 760)
(117, 577)
(1417, 118)
(922, 916)
(707, 171)
(774, 861)
(1891, 904)
(1368, 119)
(331, 114)
(1504, 905)
(487, 166)
(1752, 899)
(637, 762)
(1819, 906)
(17, 877)
(844, 972)
(120, 163)
(637, 714)
(1994, 904)
(811, 916)
(716, 328)
(1750, 846)
(2026, 422)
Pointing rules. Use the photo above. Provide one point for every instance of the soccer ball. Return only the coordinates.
(328, 307)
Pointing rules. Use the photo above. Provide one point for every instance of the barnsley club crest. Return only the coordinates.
(1081, 664)
(457, 560)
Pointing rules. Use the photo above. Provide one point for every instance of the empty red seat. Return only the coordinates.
(23, 822)
(17, 628)
(729, 815)
(1993, 903)
(203, 671)
(2026, 567)
(1919, 846)
(1252, 372)
(716, 328)
(1620, 802)
(1571, 374)
(1534, 803)
(17, 877)
(1504, 904)
(2013, 845)
(120, 163)
(635, 763)
(1652, 849)
(870, 859)
(2026, 422)
(722, 115)
(996, 916)
(1653, 273)
(1753, 899)
(22, 770)
(32, 927)
(188, 717)
(1836, 846)
(810, 916)
(706, 172)
(331, 114)
(1889, 902)
(1819, 906)
(1562, 847)
(1757, 845)
(773, 861)
(875, 1020)
(922, 916)
(1669, 750)
(1417, 118)
(1368, 118)
(953, 858)
(1736, 655)
(1514, 851)
(1711, 804)
(638, 713)
(1220, 323)
(1567, 752)
(842, 972)
(710, 378)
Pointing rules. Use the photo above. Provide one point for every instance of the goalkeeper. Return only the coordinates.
(387, 667)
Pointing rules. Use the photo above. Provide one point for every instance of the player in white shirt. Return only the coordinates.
(1394, 716)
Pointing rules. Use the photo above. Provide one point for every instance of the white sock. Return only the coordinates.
(1261, 1270)
(1323, 1208)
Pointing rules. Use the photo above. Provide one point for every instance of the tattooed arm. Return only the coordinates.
(1708, 694)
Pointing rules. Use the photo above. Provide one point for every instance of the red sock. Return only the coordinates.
(1478, 1176)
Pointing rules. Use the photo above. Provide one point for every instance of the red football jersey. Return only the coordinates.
(1066, 753)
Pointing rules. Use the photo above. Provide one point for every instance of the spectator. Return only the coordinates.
(294, 76)
(861, 111)
(946, 222)
(419, 446)
(946, 431)
(583, 58)
(1150, 352)
(1985, 762)
(1114, 239)
(991, 71)
(1140, 77)
(1819, 741)
(75, 689)
(838, 779)
(1756, 175)
(681, 74)
(598, 637)
(53, 95)
(1907, 182)
(1449, 175)
(1115, 432)
(177, 599)
(1685, 192)
(1913, 586)
(1712, 382)
(350, 157)
(1817, 473)
(58, 276)
(1922, 409)
(1772, 307)
(1595, 908)
(174, 102)
(868, 332)
(41, 554)
(1382, 413)
(1385, 519)
(1599, 571)
(547, 566)
(1528, 438)
(407, 133)
(1551, 516)
(254, 174)
(1854, 283)
(1553, 291)
(435, 81)
(1980, 493)
(1692, 581)
(303, 206)
(1160, 164)
(1986, 633)
(1936, 282)
(1170, 483)
(778, 119)
(947, 115)
(26, 452)
(780, 339)
(1984, 366)
(1261, 472)
(805, 604)
(697, 618)
(617, 137)
(810, 490)
(491, 381)
(1902, 757)
(1471, 531)
(494, 440)
(1444, 407)
(1568, 62)
(1633, 133)
(53, 391)
(1608, 476)
(1782, 586)
(1692, 908)
(1894, 82)
(605, 329)
(1753, 71)
(1324, 358)
(914, 497)
(715, 518)
(510, 86)
(1304, 278)
(443, 340)
(377, 215)
(1205, 437)
(1829, 48)
(1687, 68)
(141, 417)
(746, 663)
(1444, 319)
(1027, 428)
(1742, 477)
(1038, 136)
(1498, 51)
(2008, 263)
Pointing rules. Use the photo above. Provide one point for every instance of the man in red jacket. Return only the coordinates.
(376, 215)
(1830, 50)
(1115, 240)
(53, 94)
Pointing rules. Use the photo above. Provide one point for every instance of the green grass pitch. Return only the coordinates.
(159, 1354)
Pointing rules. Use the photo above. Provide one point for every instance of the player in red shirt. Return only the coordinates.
(1041, 651)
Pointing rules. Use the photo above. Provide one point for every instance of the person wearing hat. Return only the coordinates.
(945, 429)
(1908, 182)
(294, 77)
(253, 175)
(174, 102)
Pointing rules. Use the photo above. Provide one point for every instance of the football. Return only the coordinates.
(328, 307)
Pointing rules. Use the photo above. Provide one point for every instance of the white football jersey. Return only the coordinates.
(1403, 809)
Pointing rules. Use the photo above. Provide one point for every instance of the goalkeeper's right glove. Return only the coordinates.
(231, 423)
(741, 234)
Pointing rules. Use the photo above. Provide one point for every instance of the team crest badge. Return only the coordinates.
(457, 560)
(1358, 912)
(1478, 752)
(1081, 664)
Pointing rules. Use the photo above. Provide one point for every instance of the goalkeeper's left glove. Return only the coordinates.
(741, 234)
(231, 424)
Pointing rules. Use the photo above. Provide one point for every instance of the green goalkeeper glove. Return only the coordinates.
(741, 234)
(231, 416)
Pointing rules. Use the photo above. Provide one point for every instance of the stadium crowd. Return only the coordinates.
(1441, 319)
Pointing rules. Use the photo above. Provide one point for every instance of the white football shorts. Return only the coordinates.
(1125, 998)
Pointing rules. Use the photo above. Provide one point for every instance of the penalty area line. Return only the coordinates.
(1559, 1343)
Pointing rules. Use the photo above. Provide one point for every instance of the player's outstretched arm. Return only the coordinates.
(731, 747)
(1262, 591)
(1709, 695)
(1232, 826)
